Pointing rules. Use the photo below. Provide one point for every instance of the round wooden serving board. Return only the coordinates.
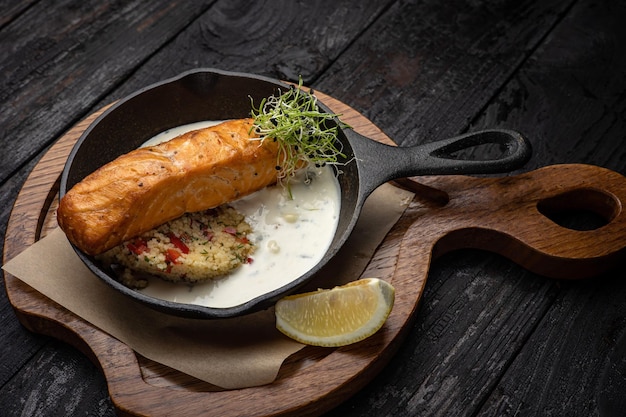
(508, 215)
(310, 382)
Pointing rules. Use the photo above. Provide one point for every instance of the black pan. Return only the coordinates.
(208, 94)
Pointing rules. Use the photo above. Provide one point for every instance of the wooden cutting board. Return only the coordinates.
(499, 214)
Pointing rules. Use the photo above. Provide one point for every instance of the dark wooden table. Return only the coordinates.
(489, 338)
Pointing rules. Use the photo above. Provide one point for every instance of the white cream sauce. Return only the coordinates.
(291, 236)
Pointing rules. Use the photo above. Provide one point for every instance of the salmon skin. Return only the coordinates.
(149, 186)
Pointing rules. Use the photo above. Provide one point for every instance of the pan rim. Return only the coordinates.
(255, 304)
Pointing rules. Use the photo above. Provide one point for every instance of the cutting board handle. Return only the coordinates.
(513, 216)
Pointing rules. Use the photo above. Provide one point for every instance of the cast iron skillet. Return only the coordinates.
(209, 94)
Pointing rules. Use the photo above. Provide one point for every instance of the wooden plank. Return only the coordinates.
(569, 96)
(278, 39)
(56, 61)
(445, 97)
(13, 334)
(577, 351)
(478, 310)
(574, 92)
(58, 381)
(426, 69)
(56, 66)
(213, 39)
(11, 9)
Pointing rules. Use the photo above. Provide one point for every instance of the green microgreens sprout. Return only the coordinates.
(302, 131)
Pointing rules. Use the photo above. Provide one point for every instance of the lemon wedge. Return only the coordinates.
(337, 316)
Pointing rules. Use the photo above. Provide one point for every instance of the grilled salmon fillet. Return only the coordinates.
(149, 186)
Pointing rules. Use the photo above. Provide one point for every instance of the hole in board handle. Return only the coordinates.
(580, 209)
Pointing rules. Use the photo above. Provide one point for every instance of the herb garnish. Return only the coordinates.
(305, 137)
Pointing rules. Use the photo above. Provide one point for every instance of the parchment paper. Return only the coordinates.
(230, 353)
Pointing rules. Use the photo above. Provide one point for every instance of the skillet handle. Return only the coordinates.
(437, 157)
(379, 163)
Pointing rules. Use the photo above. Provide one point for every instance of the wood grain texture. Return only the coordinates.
(490, 338)
(279, 39)
(84, 62)
(426, 69)
(506, 207)
(51, 79)
(574, 111)
(11, 9)
(479, 311)
(574, 99)
(504, 215)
